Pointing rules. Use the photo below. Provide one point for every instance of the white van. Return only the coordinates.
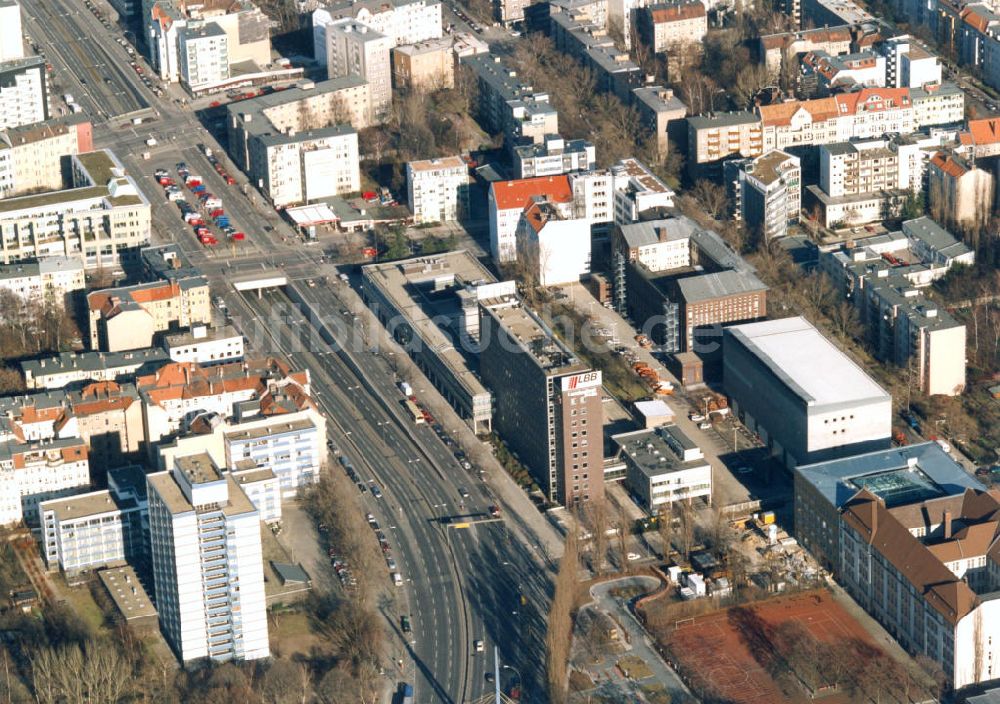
(397, 579)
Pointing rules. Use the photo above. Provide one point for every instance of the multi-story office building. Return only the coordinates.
(301, 144)
(662, 115)
(35, 471)
(50, 278)
(102, 220)
(554, 156)
(802, 417)
(664, 467)
(70, 368)
(711, 301)
(907, 64)
(355, 49)
(203, 54)
(506, 105)
(834, 13)
(766, 192)
(438, 189)
(129, 317)
(426, 66)
(508, 199)
(548, 403)
(551, 248)
(31, 157)
(670, 27)
(11, 41)
(205, 345)
(404, 21)
(442, 347)
(24, 92)
(207, 563)
(637, 190)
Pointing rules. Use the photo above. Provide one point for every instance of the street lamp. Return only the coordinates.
(520, 680)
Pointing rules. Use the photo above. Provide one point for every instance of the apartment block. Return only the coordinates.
(766, 192)
(438, 189)
(205, 345)
(32, 157)
(712, 138)
(963, 193)
(354, 49)
(52, 278)
(428, 65)
(301, 144)
(552, 248)
(11, 41)
(821, 74)
(203, 54)
(776, 49)
(580, 37)
(404, 21)
(833, 13)
(69, 368)
(554, 156)
(102, 220)
(669, 27)
(508, 199)
(24, 92)
(663, 466)
(548, 403)
(129, 317)
(35, 471)
(445, 326)
(661, 114)
(908, 64)
(770, 377)
(85, 532)
(508, 106)
(207, 563)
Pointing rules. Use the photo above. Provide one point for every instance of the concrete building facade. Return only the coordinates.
(438, 189)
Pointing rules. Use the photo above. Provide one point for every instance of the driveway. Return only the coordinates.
(642, 645)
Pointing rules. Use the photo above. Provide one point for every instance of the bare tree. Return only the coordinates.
(285, 682)
(687, 528)
(597, 516)
(712, 197)
(750, 81)
(623, 532)
(665, 527)
(558, 637)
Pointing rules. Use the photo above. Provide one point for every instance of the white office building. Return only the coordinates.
(207, 563)
(553, 157)
(664, 466)
(205, 345)
(11, 41)
(203, 55)
(438, 189)
(355, 49)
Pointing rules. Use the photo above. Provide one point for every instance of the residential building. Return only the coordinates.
(32, 156)
(962, 193)
(11, 41)
(207, 563)
(590, 43)
(438, 189)
(712, 138)
(551, 248)
(203, 54)
(981, 138)
(508, 106)
(784, 48)
(354, 49)
(83, 532)
(129, 317)
(263, 489)
(547, 403)
(52, 278)
(802, 417)
(663, 466)
(508, 199)
(507, 12)
(426, 66)
(35, 471)
(205, 345)
(594, 198)
(443, 329)
(766, 192)
(176, 395)
(70, 368)
(661, 114)
(299, 147)
(673, 26)
(467, 44)
(404, 21)
(935, 245)
(24, 92)
(833, 13)
(908, 64)
(822, 74)
(554, 156)
(637, 190)
(102, 220)
(938, 104)
(711, 301)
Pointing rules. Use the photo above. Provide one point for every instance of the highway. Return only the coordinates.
(85, 61)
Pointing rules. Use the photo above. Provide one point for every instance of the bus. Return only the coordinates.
(414, 411)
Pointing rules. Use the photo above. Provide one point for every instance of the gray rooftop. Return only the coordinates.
(94, 361)
(659, 450)
(643, 234)
(718, 285)
(838, 480)
(127, 592)
(793, 350)
(188, 337)
(722, 119)
(659, 99)
(256, 108)
(72, 508)
(935, 237)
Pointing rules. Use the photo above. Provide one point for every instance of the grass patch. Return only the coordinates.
(656, 693)
(635, 668)
(81, 601)
(580, 681)
(291, 632)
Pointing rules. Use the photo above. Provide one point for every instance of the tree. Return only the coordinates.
(750, 81)
(597, 515)
(665, 527)
(558, 636)
(712, 197)
(285, 682)
(687, 526)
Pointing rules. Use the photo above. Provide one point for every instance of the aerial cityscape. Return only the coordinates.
(499, 351)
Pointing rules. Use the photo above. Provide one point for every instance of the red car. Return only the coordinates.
(230, 180)
(239, 236)
(217, 212)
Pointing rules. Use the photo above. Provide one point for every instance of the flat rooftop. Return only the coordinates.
(276, 427)
(199, 468)
(534, 337)
(79, 506)
(659, 450)
(721, 284)
(907, 474)
(189, 337)
(794, 350)
(127, 592)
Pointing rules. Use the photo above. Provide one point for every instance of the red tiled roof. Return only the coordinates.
(518, 193)
(662, 14)
(949, 164)
(986, 131)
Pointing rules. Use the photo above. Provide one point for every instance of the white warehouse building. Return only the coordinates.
(805, 398)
